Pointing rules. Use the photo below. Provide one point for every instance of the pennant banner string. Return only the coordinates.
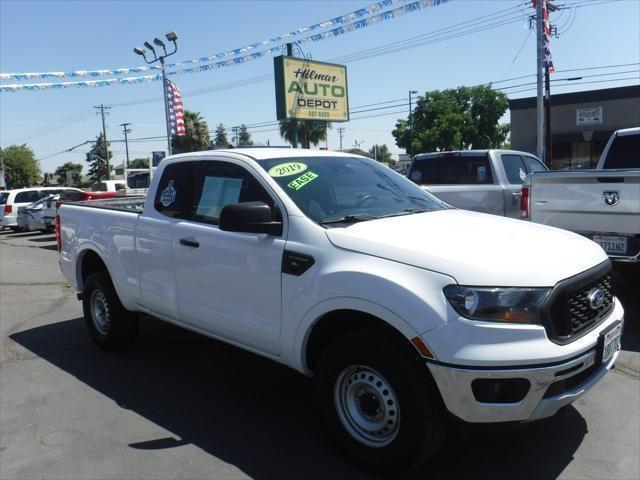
(356, 14)
(341, 30)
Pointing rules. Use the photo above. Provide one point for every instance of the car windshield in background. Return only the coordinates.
(347, 189)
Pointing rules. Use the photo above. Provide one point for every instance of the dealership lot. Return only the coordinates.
(179, 405)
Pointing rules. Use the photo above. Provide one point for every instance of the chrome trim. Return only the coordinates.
(455, 386)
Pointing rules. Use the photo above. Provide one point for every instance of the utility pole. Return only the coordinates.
(102, 108)
(125, 130)
(235, 136)
(539, 61)
(341, 132)
(547, 118)
(410, 149)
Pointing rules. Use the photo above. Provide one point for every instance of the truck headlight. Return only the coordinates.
(511, 305)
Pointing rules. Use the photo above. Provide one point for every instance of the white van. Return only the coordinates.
(12, 200)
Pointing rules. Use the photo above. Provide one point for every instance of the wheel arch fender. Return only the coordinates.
(364, 313)
(91, 254)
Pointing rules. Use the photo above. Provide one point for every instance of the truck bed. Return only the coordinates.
(125, 204)
(601, 204)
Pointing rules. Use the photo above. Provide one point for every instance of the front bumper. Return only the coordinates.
(551, 387)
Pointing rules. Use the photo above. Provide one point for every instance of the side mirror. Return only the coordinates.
(250, 217)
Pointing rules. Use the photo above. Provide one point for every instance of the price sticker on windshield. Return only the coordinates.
(302, 180)
(286, 169)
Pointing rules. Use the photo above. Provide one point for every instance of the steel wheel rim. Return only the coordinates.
(100, 312)
(367, 406)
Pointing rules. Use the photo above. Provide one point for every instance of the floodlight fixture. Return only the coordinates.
(171, 36)
(140, 51)
(160, 43)
(150, 47)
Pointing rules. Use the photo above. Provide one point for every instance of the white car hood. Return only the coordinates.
(474, 248)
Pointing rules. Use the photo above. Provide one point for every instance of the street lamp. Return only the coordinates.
(172, 37)
(411, 92)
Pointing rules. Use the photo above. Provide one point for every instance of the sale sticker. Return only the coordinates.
(302, 180)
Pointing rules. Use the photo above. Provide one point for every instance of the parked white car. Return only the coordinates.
(401, 307)
(31, 217)
(22, 197)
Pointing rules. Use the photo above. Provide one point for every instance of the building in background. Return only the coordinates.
(581, 123)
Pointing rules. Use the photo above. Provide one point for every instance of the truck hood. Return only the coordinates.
(474, 248)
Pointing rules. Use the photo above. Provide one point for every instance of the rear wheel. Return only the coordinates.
(111, 325)
(379, 402)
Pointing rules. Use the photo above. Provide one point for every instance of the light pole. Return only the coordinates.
(411, 92)
(172, 37)
(126, 130)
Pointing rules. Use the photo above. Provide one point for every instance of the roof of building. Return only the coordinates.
(579, 97)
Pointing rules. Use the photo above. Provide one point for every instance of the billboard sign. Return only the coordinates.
(310, 90)
(589, 116)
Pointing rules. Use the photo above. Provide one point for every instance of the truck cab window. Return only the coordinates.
(514, 168)
(452, 170)
(219, 184)
(174, 191)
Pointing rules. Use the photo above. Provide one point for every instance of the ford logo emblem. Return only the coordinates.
(596, 298)
(610, 199)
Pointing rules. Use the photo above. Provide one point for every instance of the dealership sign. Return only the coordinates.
(310, 90)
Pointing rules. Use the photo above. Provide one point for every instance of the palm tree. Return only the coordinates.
(307, 134)
(196, 137)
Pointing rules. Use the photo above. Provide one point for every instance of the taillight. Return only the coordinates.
(524, 202)
(58, 234)
(8, 208)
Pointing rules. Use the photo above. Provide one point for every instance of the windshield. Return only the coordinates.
(347, 189)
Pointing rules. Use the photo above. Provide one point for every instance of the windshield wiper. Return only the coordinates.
(348, 219)
(408, 211)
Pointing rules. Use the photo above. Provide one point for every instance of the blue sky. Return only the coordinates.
(71, 35)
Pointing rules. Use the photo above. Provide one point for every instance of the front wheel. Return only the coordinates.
(110, 325)
(379, 403)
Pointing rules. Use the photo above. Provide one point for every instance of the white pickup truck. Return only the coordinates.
(401, 307)
(601, 204)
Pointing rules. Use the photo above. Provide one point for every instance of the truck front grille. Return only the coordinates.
(568, 314)
(581, 315)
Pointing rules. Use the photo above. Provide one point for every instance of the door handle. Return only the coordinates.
(516, 194)
(189, 243)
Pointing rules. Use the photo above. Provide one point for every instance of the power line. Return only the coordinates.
(579, 83)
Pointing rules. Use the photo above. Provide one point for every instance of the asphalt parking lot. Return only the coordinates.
(179, 405)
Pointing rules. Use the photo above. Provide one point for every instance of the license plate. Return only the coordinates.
(612, 245)
(611, 342)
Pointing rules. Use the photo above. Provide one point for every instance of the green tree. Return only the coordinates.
(196, 137)
(76, 173)
(455, 119)
(380, 153)
(244, 137)
(20, 165)
(97, 159)
(308, 131)
(220, 138)
(139, 163)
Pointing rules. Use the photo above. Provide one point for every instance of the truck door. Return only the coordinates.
(154, 232)
(229, 283)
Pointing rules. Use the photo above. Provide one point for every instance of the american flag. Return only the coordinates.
(176, 112)
(547, 60)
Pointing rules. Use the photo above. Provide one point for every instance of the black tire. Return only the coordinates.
(423, 423)
(119, 326)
